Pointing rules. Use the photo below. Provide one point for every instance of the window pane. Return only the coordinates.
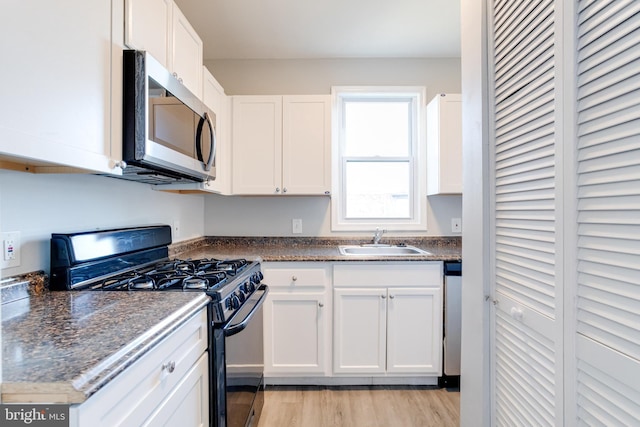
(377, 128)
(377, 189)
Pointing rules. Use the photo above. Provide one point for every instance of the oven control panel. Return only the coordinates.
(236, 293)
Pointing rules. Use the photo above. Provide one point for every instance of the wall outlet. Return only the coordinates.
(10, 249)
(296, 226)
(456, 225)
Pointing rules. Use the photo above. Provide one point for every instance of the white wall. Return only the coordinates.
(38, 205)
(271, 216)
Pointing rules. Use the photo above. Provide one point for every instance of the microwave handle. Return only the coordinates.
(213, 142)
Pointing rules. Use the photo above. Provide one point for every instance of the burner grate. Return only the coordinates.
(202, 274)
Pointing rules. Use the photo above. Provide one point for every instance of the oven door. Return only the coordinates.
(244, 365)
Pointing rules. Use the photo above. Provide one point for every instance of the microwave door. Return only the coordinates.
(172, 130)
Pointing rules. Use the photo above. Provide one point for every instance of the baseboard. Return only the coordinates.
(345, 381)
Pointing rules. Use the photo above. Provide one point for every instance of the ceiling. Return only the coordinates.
(305, 29)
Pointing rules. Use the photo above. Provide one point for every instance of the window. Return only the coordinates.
(378, 161)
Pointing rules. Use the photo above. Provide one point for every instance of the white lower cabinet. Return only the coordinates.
(388, 319)
(297, 320)
(169, 385)
(380, 320)
(187, 404)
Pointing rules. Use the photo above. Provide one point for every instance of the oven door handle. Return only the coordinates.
(238, 327)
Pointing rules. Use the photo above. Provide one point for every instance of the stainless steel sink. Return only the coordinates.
(381, 250)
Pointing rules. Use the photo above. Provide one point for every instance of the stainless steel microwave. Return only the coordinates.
(169, 135)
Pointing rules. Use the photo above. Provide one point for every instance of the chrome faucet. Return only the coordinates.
(377, 235)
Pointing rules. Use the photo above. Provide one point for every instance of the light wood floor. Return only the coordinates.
(405, 406)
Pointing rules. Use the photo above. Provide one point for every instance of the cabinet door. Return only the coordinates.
(257, 144)
(57, 74)
(215, 98)
(306, 144)
(147, 25)
(359, 330)
(186, 53)
(444, 144)
(188, 403)
(414, 333)
(295, 333)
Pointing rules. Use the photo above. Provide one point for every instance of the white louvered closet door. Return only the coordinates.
(527, 267)
(607, 341)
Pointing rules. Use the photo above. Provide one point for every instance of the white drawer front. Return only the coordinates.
(295, 276)
(388, 274)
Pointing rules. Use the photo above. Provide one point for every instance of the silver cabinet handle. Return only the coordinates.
(320, 304)
(391, 296)
(169, 366)
(277, 189)
(383, 296)
(294, 278)
(284, 190)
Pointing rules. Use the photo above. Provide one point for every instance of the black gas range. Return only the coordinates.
(137, 260)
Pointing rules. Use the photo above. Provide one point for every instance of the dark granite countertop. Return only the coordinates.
(61, 347)
(273, 249)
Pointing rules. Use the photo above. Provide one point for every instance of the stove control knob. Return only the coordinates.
(235, 302)
(240, 296)
(248, 287)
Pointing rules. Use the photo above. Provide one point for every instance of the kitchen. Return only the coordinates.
(54, 202)
(195, 215)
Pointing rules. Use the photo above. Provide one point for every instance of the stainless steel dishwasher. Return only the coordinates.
(452, 323)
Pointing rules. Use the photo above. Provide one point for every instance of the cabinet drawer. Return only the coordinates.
(295, 276)
(388, 274)
(134, 394)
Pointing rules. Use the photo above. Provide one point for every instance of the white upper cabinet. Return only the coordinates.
(61, 80)
(444, 145)
(215, 98)
(306, 144)
(282, 145)
(160, 28)
(257, 144)
(186, 53)
(148, 27)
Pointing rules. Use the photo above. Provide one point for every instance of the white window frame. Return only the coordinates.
(417, 192)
